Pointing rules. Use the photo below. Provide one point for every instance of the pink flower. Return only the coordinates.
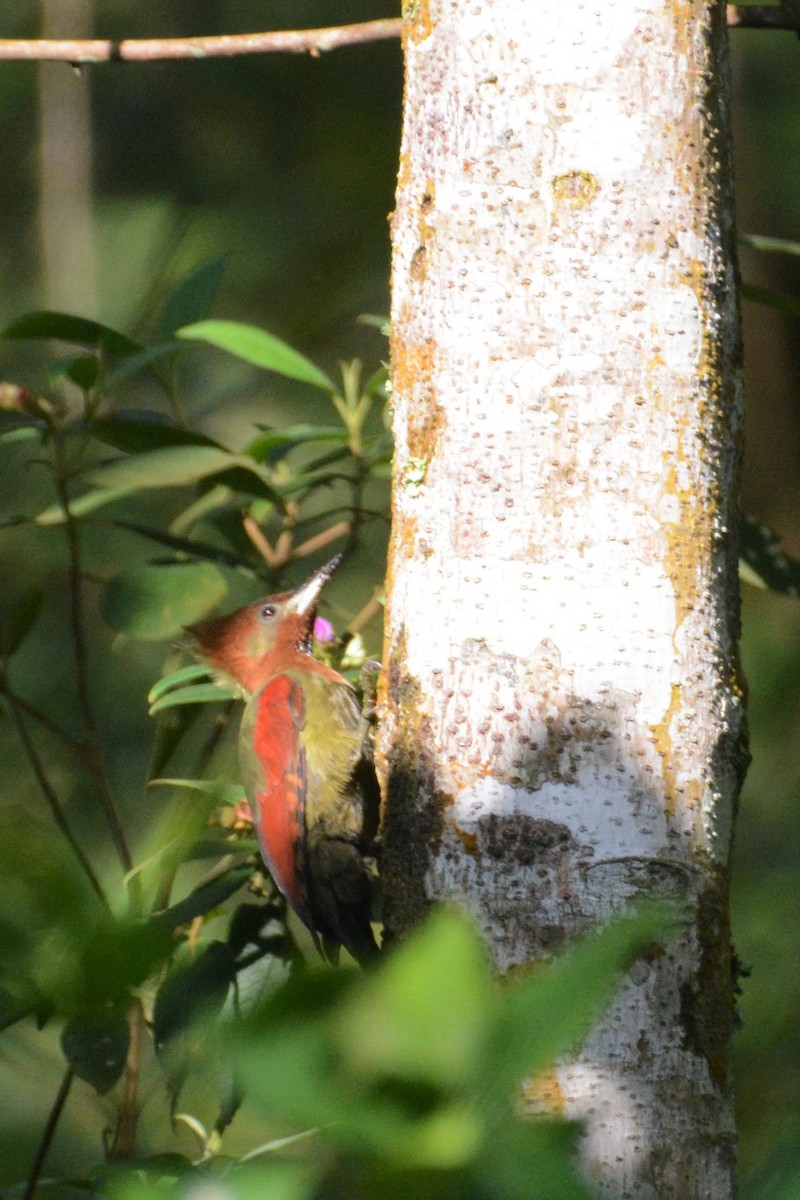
(324, 631)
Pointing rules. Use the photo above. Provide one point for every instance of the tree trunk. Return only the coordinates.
(562, 727)
(66, 233)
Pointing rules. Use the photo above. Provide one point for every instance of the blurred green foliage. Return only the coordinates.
(259, 189)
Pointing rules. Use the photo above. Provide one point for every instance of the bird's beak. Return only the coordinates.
(304, 599)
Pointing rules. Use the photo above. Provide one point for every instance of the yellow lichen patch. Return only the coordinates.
(543, 1096)
(575, 189)
(413, 370)
(417, 19)
(662, 740)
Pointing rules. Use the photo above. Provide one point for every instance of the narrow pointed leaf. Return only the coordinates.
(169, 466)
(258, 347)
(136, 432)
(67, 328)
(17, 621)
(770, 244)
(762, 562)
(212, 554)
(788, 305)
(145, 360)
(176, 679)
(274, 444)
(81, 505)
(203, 899)
(203, 693)
(193, 297)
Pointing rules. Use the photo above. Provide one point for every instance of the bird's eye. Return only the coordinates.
(267, 611)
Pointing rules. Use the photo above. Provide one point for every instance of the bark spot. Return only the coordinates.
(575, 189)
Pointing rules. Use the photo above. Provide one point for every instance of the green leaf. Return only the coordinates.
(18, 620)
(275, 444)
(769, 244)
(762, 562)
(376, 321)
(156, 601)
(788, 305)
(134, 364)
(185, 545)
(84, 370)
(203, 693)
(67, 328)
(96, 1046)
(203, 899)
(169, 466)
(545, 1014)
(177, 466)
(135, 432)
(176, 679)
(258, 347)
(221, 793)
(23, 433)
(193, 297)
(534, 1160)
(394, 1025)
(81, 505)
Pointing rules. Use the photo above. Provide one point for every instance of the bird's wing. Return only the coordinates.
(275, 768)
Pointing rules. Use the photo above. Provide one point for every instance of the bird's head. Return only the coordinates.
(266, 637)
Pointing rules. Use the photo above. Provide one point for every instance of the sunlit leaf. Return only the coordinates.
(156, 601)
(394, 1026)
(258, 347)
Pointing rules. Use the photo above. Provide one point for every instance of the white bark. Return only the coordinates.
(562, 725)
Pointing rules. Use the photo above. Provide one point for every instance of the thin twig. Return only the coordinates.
(123, 1143)
(287, 41)
(320, 540)
(94, 754)
(72, 744)
(47, 1134)
(50, 796)
(765, 16)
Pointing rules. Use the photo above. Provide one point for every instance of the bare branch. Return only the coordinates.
(48, 1133)
(285, 41)
(290, 41)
